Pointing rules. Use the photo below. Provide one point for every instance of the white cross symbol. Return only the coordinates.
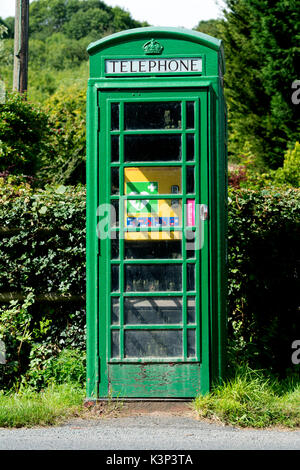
(152, 187)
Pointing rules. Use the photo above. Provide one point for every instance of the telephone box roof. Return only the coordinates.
(152, 32)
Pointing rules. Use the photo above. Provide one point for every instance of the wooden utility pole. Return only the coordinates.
(21, 46)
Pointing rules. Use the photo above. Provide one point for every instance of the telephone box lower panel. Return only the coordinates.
(154, 380)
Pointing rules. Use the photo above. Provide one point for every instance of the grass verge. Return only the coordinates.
(248, 400)
(27, 407)
(252, 400)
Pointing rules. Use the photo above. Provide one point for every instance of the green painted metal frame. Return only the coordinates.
(200, 99)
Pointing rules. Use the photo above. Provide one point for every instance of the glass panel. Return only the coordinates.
(114, 213)
(153, 277)
(154, 115)
(115, 148)
(190, 179)
(115, 283)
(153, 343)
(115, 186)
(153, 213)
(152, 180)
(146, 148)
(191, 309)
(190, 243)
(115, 311)
(191, 343)
(153, 310)
(115, 252)
(190, 147)
(190, 115)
(115, 116)
(191, 277)
(153, 249)
(115, 343)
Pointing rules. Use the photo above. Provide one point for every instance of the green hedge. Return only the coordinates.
(42, 258)
(42, 254)
(264, 262)
(42, 239)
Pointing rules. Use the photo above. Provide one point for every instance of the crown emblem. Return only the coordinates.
(153, 47)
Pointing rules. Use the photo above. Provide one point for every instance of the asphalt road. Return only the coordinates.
(146, 432)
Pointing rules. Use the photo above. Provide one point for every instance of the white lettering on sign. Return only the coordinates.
(178, 65)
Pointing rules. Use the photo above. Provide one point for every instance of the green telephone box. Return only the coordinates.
(156, 215)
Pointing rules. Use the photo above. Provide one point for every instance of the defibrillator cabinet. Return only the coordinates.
(156, 215)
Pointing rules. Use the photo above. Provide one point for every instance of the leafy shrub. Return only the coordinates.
(66, 110)
(48, 145)
(236, 176)
(15, 332)
(290, 172)
(24, 136)
(44, 82)
(263, 301)
(42, 239)
(59, 52)
(249, 176)
(42, 248)
(3, 31)
(6, 54)
(66, 367)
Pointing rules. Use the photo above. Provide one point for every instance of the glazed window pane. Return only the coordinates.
(154, 115)
(153, 310)
(146, 148)
(153, 343)
(153, 277)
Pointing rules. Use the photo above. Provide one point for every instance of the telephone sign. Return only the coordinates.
(157, 66)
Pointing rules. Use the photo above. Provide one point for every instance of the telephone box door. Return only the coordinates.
(154, 249)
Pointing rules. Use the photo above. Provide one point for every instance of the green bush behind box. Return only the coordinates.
(264, 262)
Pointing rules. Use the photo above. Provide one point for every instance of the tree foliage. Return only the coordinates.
(210, 27)
(7, 27)
(77, 19)
(25, 136)
(47, 145)
(262, 56)
(261, 47)
(60, 30)
(290, 171)
(3, 30)
(66, 111)
(59, 33)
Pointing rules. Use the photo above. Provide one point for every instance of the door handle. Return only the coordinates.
(203, 211)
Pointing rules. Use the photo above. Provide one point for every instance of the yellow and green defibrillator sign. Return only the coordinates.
(152, 213)
(156, 214)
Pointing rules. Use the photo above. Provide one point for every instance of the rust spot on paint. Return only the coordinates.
(89, 404)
